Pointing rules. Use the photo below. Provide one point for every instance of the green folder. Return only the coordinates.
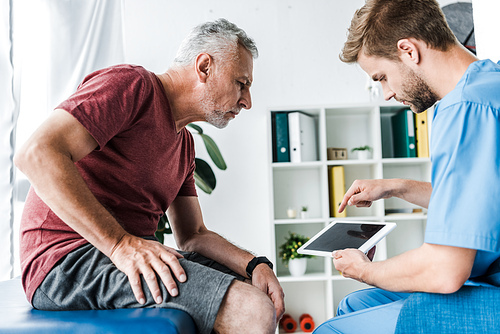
(403, 130)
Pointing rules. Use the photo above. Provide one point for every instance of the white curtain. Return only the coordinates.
(54, 45)
(8, 115)
(85, 36)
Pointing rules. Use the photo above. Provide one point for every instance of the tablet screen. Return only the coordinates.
(344, 235)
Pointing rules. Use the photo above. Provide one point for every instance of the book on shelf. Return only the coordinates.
(407, 211)
(302, 137)
(422, 135)
(280, 137)
(403, 130)
(387, 141)
(336, 185)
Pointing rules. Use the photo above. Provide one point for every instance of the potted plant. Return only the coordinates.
(363, 152)
(303, 212)
(297, 263)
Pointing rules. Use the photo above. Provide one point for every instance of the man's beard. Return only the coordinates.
(417, 92)
(216, 118)
(214, 113)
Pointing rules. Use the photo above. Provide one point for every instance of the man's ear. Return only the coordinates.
(203, 64)
(409, 50)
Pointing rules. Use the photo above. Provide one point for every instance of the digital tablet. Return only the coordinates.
(346, 234)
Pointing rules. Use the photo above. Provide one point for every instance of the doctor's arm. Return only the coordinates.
(191, 235)
(429, 268)
(363, 193)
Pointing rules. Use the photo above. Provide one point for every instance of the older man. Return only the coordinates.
(106, 165)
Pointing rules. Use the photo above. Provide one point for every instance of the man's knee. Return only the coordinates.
(355, 301)
(245, 307)
(367, 298)
(251, 302)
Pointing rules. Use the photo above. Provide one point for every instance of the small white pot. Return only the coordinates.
(297, 267)
(364, 155)
(303, 214)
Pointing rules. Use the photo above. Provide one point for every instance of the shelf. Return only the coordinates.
(299, 221)
(305, 278)
(293, 185)
(405, 216)
(297, 165)
(406, 161)
(352, 162)
(355, 218)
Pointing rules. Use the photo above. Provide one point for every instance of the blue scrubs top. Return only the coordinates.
(464, 209)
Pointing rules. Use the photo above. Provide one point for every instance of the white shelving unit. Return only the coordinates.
(320, 290)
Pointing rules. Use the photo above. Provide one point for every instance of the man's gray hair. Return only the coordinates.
(219, 39)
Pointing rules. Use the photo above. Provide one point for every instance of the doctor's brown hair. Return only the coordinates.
(378, 26)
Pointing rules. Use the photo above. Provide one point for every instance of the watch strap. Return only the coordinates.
(255, 262)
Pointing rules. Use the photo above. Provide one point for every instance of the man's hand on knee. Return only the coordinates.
(263, 278)
(135, 256)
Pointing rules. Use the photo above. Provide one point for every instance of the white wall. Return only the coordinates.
(486, 28)
(299, 43)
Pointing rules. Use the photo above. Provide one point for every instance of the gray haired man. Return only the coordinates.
(105, 166)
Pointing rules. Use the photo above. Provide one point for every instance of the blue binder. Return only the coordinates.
(281, 146)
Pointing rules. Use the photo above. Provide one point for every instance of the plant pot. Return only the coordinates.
(303, 214)
(297, 267)
(364, 155)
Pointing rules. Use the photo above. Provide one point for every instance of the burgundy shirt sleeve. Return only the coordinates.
(122, 93)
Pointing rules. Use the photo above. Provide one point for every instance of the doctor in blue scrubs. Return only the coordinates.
(408, 47)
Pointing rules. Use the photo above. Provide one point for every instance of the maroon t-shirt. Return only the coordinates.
(140, 166)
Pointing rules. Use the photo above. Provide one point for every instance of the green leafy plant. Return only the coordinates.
(204, 176)
(288, 250)
(362, 148)
(304, 208)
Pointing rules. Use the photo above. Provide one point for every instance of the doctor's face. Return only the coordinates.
(399, 82)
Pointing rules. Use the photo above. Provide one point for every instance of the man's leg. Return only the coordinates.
(367, 298)
(373, 311)
(87, 279)
(242, 304)
(245, 309)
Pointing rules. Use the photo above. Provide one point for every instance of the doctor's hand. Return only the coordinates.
(264, 279)
(351, 263)
(362, 193)
(136, 256)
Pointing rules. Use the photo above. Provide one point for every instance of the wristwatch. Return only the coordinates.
(255, 262)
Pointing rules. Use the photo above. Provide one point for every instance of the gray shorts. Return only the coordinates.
(86, 279)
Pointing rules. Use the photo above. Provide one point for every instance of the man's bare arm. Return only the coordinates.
(191, 234)
(48, 159)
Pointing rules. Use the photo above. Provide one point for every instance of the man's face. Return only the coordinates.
(399, 82)
(228, 91)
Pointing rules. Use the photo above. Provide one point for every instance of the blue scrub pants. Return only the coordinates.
(373, 311)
